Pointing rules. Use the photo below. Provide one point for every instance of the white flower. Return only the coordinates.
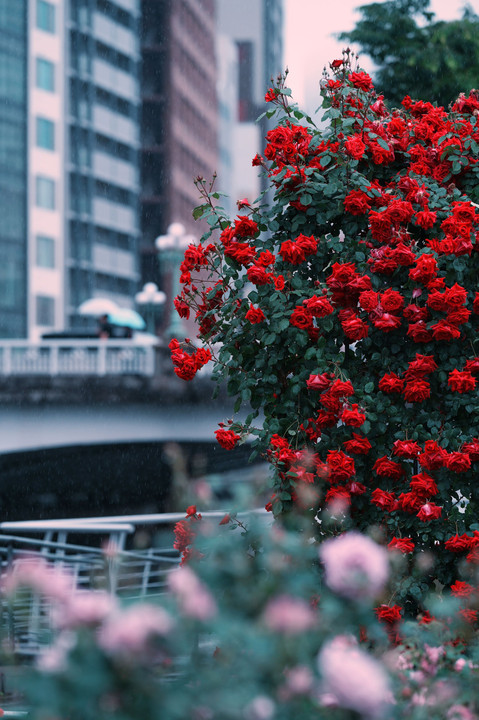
(355, 566)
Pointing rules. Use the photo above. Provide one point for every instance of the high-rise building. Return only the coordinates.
(179, 116)
(69, 159)
(256, 29)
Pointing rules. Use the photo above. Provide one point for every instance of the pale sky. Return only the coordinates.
(309, 44)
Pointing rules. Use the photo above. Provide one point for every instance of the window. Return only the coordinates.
(45, 134)
(45, 251)
(46, 16)
(45, 192)
(45, 75)
(45, 310)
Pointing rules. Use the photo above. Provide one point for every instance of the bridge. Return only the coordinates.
(102, 426)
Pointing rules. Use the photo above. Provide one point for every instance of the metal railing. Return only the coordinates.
(98, 553)
(76, 357)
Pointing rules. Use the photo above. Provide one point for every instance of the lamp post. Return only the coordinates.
(171, 248)
(150, 298)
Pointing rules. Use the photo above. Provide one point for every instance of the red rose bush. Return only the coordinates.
(342, 309)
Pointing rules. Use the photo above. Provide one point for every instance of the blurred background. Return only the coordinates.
(108, 111)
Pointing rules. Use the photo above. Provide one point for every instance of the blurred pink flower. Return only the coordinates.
(299, 680)
(260, 708)
(355, 566)
(289, 615)
(460, 712)
(352, 679)
(193, 596)
(129, 631)
(54, 657)
(85, 607)
(43, 578)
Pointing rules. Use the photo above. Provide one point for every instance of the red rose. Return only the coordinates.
(301, 318)
(461, 381)
(455, 296)
(258, 275)
(361, 80)
(387, 322)
(434, 456)
(458, 462)
(458, 543)
(417, 391)
(319, 382)
(227, 438)
(357, 202)
(369, 300)
(392, 300)
(383, 499)
(406, 448)
(355, 147)
(342, 388)
(421, 366)
(429, 511)
(352, 416)
(472, 449)
(245, 227)
(319, 306)
(425, 270)
(340, 466)
(391, 383)
(423, 485)
(425, 219)
(462, 589)
(254, 315)
(404, 545)
(442, 330)
(355, 328)
(358, 444)
(389, 614)
(388, 468)
(419, 332)
(279, 283)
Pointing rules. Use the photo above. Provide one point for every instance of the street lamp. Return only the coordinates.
(172, 247)
(150, 298)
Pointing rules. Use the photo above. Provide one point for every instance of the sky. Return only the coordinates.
(310, 45)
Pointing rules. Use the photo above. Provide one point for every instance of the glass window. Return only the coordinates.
(46, 16)
(45, 192)
(45, 75)
(45, 251)
(45, 133)
(45, 310)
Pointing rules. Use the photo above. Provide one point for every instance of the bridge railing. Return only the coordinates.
(77, 357)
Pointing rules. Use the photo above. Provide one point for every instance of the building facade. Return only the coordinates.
(179, 127)
(256, 29)
(69, 159)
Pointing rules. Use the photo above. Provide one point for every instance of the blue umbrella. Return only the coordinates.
(124, 317)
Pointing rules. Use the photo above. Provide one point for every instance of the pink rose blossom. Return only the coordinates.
(352, 679)
(129, 630)
(194, 597)
(355, 566)
(289, 615)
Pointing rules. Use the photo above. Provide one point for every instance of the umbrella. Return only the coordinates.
(97, 306)
(124, 317)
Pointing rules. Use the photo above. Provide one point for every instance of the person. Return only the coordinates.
(104, 328)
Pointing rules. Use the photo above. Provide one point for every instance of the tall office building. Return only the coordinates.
(256, 29)
(69, 159)
(179, 116)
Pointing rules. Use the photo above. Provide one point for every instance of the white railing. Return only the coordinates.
(76, 357)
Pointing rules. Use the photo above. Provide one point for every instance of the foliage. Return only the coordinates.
(415, 54)
(254, 630)
(346, 313)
